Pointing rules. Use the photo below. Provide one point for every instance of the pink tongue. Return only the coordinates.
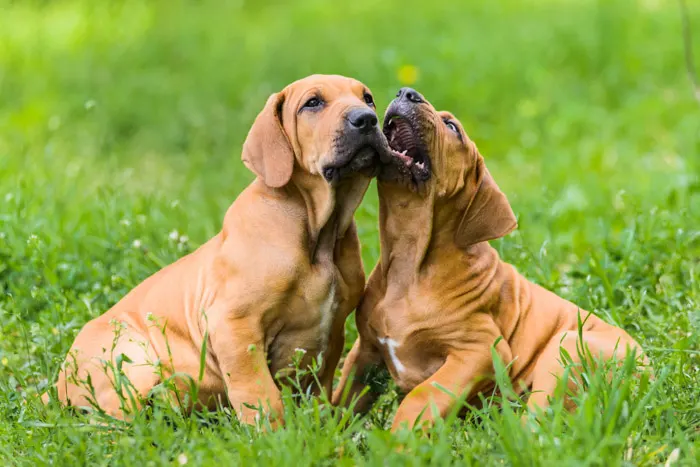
(406, 159)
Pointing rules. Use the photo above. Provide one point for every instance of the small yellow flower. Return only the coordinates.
(407, 74)
(5, 361)
(54, 331)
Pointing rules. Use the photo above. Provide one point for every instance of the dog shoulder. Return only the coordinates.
(264, 216)
(248, 275)
(256, 256)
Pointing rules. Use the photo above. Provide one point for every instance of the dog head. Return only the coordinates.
(323, 125)
(431, 153)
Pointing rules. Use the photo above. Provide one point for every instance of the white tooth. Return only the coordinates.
(403, 153)
(420, 165)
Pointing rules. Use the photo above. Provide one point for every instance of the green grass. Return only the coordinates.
(122, 122)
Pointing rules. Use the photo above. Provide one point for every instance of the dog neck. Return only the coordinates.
(416, 230)
(329, 208)
(405, 226)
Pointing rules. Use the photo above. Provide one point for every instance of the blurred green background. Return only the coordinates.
(121, 124)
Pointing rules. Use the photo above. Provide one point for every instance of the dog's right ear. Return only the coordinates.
(267, 151)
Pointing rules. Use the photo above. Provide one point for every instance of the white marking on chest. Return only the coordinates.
(391, 346)
(327, 312)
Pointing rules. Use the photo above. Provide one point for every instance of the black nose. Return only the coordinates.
(410, 95)
(362, 119)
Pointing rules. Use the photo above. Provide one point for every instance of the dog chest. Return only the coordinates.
(407, 345)
(409, 361)
(309, 314)
(390, 346)
(327, 310)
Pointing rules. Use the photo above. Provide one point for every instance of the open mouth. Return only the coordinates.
(406, 147)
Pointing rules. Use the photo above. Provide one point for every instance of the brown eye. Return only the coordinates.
(368, 99)
(313, 103)
(452, 126)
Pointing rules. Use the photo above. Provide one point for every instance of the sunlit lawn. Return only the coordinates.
(121, 125)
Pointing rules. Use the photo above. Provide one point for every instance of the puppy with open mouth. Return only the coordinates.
(440, 296)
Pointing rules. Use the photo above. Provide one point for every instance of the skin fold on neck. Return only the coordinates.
(413, 226)
(329, 209)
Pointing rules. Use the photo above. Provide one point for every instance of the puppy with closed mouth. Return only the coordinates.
(282, 275)
(440, 296)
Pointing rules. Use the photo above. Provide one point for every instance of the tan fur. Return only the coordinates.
(440, 296)
(283, 274)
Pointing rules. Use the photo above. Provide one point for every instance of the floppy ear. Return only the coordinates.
(267, 151)
(489, 215)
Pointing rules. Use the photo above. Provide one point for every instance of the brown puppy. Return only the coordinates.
(440, 296)
(282, 275)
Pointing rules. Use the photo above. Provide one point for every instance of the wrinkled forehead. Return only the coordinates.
(329, 87)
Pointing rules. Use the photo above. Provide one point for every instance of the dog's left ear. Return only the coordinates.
(489, 215)
(267, 151)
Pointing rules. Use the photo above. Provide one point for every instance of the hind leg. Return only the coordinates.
(602, 344)
(89, 376)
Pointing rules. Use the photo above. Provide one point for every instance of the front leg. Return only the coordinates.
(463, 374)
(239, 346)
(363, 357)
(348, 260)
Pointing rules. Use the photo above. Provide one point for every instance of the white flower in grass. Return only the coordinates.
(136, 243)
(174, 235)
(675, 454)
(125, 222)
(184, 239)
(182, 459)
